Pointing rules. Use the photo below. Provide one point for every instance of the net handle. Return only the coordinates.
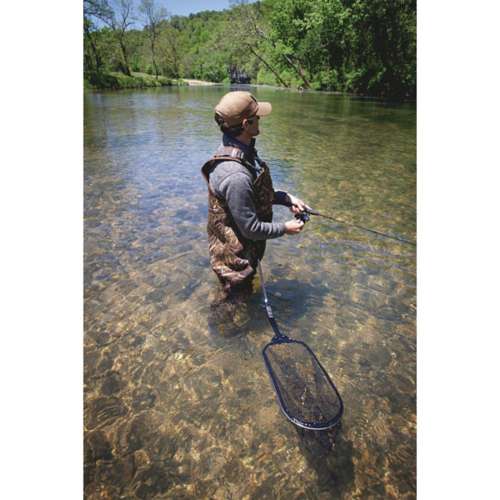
(269, 311)
(263, 285)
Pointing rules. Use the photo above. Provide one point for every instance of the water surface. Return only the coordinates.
(177, 400)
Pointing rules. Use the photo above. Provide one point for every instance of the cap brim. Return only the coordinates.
(264, 108)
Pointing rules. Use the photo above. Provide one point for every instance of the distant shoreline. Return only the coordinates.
(194, 83)
(120, 81)
(114, 80)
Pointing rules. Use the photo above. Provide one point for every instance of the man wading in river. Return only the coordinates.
(241, 194)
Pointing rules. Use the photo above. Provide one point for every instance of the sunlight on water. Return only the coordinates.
(178, 403)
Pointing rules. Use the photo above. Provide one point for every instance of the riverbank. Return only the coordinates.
(118, 81)
(202, 83)
(115, 80)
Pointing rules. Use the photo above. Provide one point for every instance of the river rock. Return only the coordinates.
(103, 411)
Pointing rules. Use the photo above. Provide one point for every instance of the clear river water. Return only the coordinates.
(178, 403)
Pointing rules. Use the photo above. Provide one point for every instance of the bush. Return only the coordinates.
(327, 80)
(354, 80)
(116, 80)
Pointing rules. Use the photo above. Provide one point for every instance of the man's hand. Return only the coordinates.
(293, 226)
(297, 204)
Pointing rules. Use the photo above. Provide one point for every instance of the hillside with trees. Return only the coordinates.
(365, 47)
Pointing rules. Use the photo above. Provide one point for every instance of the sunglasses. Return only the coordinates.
(252, 119)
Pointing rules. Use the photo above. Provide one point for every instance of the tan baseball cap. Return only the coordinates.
(235, 106)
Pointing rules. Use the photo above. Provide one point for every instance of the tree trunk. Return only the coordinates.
(268, 66)
(155, 67)
(298, 69)
(175, 62)
(126, 66)
(173, 56)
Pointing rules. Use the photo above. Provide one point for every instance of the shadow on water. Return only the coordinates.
(230, 314)
(330, 454)
(291, 299)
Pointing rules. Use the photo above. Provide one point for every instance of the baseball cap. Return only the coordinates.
(235, 106)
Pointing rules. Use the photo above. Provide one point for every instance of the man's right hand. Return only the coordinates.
(293, 226)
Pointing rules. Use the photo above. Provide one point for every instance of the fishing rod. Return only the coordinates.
(304, 216)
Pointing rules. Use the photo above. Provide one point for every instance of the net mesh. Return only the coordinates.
(306, 393)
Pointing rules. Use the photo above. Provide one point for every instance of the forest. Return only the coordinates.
(361, 47)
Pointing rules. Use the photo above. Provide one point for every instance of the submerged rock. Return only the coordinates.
(153, 481)
(97, 447)
(103, 411)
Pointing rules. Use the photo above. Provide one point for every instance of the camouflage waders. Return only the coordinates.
(233, 257)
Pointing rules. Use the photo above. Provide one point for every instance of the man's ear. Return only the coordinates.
(244, 123)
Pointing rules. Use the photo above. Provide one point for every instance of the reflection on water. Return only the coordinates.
(177, 399)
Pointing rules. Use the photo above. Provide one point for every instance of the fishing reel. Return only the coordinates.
(303, 216)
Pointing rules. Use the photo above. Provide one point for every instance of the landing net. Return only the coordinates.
(305, 392)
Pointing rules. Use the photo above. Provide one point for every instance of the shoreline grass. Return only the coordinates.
(114, 80)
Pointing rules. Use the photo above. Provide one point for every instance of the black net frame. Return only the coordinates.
(288, 403)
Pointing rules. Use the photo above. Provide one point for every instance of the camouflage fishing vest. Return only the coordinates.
(232, 256)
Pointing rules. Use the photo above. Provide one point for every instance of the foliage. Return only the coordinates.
(359, 46)
(116, 80)
(153, 15)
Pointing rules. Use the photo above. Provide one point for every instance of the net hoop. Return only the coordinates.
(332, 422)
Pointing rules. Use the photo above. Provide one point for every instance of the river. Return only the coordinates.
(178, 403)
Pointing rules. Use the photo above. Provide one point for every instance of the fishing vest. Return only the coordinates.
(232, 256)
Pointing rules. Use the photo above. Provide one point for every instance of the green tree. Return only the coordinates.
(245, 35)
(361, 46)
(92, 9)
(119, 17)
(153, 14)
(172, 48)
(288, 30)
(385, 49)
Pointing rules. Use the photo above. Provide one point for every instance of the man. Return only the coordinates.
(241, 194)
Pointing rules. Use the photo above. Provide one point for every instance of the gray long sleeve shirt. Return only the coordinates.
(233, 182)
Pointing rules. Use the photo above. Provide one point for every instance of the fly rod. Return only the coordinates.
(304, 216)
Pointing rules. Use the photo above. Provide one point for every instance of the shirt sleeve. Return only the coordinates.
(238, 192)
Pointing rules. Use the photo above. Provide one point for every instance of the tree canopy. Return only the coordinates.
(366, 47)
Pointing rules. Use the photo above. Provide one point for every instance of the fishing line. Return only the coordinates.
(304, 216)
(384, 235)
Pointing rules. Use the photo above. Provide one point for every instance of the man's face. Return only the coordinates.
(253, 126)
